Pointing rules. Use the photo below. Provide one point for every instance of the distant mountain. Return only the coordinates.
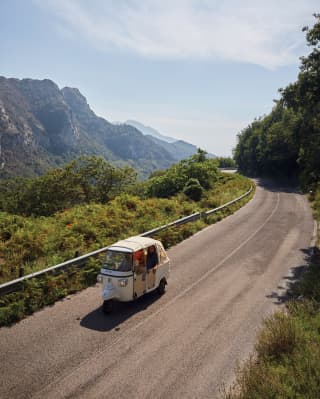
(178, 149)
(42, 126)
(149, 131)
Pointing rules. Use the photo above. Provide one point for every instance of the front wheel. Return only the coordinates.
(162, 287)
(107, 306)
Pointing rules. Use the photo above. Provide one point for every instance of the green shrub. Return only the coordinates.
(175, 179)
(84, 180)
(255, 381)
(193, 189)
(309, 286)
(279, 336)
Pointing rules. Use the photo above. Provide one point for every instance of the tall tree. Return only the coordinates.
(287, 141)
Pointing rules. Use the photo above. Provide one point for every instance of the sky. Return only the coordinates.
(196, 70)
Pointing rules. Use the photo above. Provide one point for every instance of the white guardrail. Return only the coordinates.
(14, 285)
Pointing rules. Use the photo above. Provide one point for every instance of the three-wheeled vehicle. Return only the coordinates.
(133, 267)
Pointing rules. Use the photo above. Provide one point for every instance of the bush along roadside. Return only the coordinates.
(286, 362)
(43, 291)
(36, 243)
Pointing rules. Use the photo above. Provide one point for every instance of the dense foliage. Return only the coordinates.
(225, 162)
(91, 179)
(85, 180)
(287, 141)
(181, 176)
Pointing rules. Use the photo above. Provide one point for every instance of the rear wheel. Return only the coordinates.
(162, 287)
(107, 306)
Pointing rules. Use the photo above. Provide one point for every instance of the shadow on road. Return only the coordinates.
(98, 321)
(285, 292)
(283, 186)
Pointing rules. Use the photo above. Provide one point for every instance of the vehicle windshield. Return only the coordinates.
(120, 261)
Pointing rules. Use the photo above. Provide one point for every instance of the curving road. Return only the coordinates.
(186, 344)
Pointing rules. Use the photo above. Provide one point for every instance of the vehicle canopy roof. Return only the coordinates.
(133, 244)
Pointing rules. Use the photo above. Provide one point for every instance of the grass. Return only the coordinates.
(286, 361)
(286, 364)
(30, 244)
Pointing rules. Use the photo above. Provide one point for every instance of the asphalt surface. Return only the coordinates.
(185, 344)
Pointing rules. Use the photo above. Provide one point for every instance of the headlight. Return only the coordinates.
(123, 282)
(99, 278)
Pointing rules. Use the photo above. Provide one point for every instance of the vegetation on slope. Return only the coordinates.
(226, 162)
(82, 181)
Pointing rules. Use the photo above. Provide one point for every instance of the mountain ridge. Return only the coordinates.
(43, 126)
(150, 131)
(179, 149)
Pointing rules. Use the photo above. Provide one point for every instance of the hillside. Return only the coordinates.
(42, 126)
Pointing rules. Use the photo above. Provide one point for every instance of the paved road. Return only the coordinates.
(185, 344)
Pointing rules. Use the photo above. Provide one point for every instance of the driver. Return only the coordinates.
(152, 257)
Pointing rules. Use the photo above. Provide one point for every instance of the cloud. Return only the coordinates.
(247, 31)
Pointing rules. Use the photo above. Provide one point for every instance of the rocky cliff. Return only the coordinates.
(42, 126)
